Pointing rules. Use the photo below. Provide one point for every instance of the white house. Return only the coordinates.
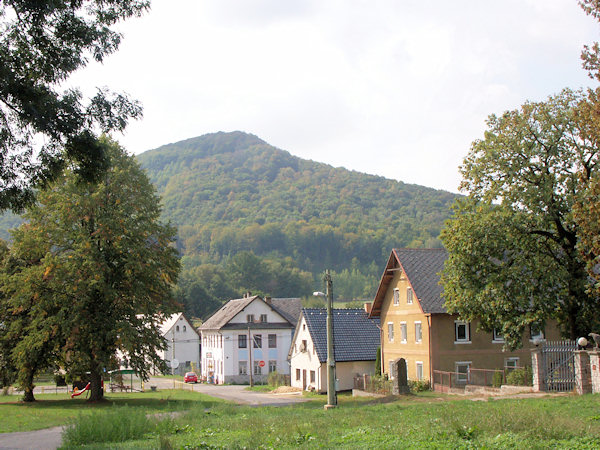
(355, 340)
(249, 333)
(183, 343)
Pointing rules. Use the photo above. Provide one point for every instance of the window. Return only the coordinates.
(243, 367)
(258, 341)
(462, 371)
(250, 318)
(184, 329)
(418, 332)
(536, 332)
(272, 341)
(403, 332)
(177, 328)
(396, 297)
(242, 341)
(409, 296)
(297, 374)
(462, 332)
(272, 366)
(390, 332)
(263, 318)
(511, 364)
(497, 336)
(304, 346)
(257, 368)
(312, 376)
(419, 366)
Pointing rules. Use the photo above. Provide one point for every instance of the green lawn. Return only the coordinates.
(426, 420)
(56, 409)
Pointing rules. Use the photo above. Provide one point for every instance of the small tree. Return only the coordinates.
(378, 363)
(101, 273)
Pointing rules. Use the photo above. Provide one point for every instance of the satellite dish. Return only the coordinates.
(175, 363)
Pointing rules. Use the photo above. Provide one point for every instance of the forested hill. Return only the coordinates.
(239, 202)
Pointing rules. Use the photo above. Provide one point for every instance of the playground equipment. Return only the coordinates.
(77, 392)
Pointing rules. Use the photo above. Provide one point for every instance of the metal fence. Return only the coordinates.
(558, 365)
(453, 381)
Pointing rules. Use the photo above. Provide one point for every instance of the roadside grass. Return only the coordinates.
(411, 421)
(57, 409)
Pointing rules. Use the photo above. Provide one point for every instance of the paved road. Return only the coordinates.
(50, 438)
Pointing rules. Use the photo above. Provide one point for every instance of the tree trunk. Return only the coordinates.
(96, 388)
(28, 389)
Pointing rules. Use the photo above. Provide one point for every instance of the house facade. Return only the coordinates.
(250, 336)
(183, 343)
(416, 326)
(355, 338)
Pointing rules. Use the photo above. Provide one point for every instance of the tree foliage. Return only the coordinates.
(91, 274)
(513, 257)
(41, 44)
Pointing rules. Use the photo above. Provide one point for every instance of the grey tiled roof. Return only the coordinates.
(355, 336)
(422, 267)
(290, 308)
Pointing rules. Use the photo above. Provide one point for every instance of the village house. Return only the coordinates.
(183, 343)
(355, 340)
(416, 326)
(248, 334)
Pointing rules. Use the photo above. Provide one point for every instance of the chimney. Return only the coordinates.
(368, 307)
(268, 300)
(248, 294)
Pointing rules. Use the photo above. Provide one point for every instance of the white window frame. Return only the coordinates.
(419, 335)
(457, 364)
(390, 330)
(511, 359)
(419, 365)
(497, 338)
(257, 368)
(467, 325)
(536, 337)
(243, 368)
(409, 296)
(403, 333)
(272, 365)
(396, 299)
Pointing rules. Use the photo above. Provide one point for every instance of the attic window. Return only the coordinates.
(396, 297)
(177, 328)
(409, 296)
(184, 328)
(250, 318)
(263, 318)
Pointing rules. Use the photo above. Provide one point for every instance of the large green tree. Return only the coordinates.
(513, 243)
(42, 126)
(97, 271)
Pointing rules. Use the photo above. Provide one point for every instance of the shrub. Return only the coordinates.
(520, 377)
(419, 386)
(276, 379)
(497, 379)
(59, 379)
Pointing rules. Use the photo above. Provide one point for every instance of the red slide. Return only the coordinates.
(77, 392)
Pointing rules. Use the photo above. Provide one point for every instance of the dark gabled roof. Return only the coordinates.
(422, 267)
(355, 336)
(227, 312)
(290, 308)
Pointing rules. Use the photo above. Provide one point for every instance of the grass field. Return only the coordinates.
(426, 420)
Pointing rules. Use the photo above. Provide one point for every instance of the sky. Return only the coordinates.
(397, 88)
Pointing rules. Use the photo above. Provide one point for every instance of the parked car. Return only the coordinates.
(190, 377)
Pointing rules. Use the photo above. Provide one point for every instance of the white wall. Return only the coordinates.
(305, 360)
(186, 340)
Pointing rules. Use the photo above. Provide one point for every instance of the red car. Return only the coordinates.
(190, 377)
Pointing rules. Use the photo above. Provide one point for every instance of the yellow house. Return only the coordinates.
(416, 326)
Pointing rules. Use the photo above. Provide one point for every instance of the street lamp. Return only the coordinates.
(331, 393)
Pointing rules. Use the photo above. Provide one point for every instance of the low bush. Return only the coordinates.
(419, 386)
(520, 377)
(276, 379)
(497, 379)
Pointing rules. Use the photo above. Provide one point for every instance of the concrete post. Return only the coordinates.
(331, 388)
(537, 369)
(595, 370)
(583, 381)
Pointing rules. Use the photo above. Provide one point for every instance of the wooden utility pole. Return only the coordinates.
(250, 357)
(331, 393)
